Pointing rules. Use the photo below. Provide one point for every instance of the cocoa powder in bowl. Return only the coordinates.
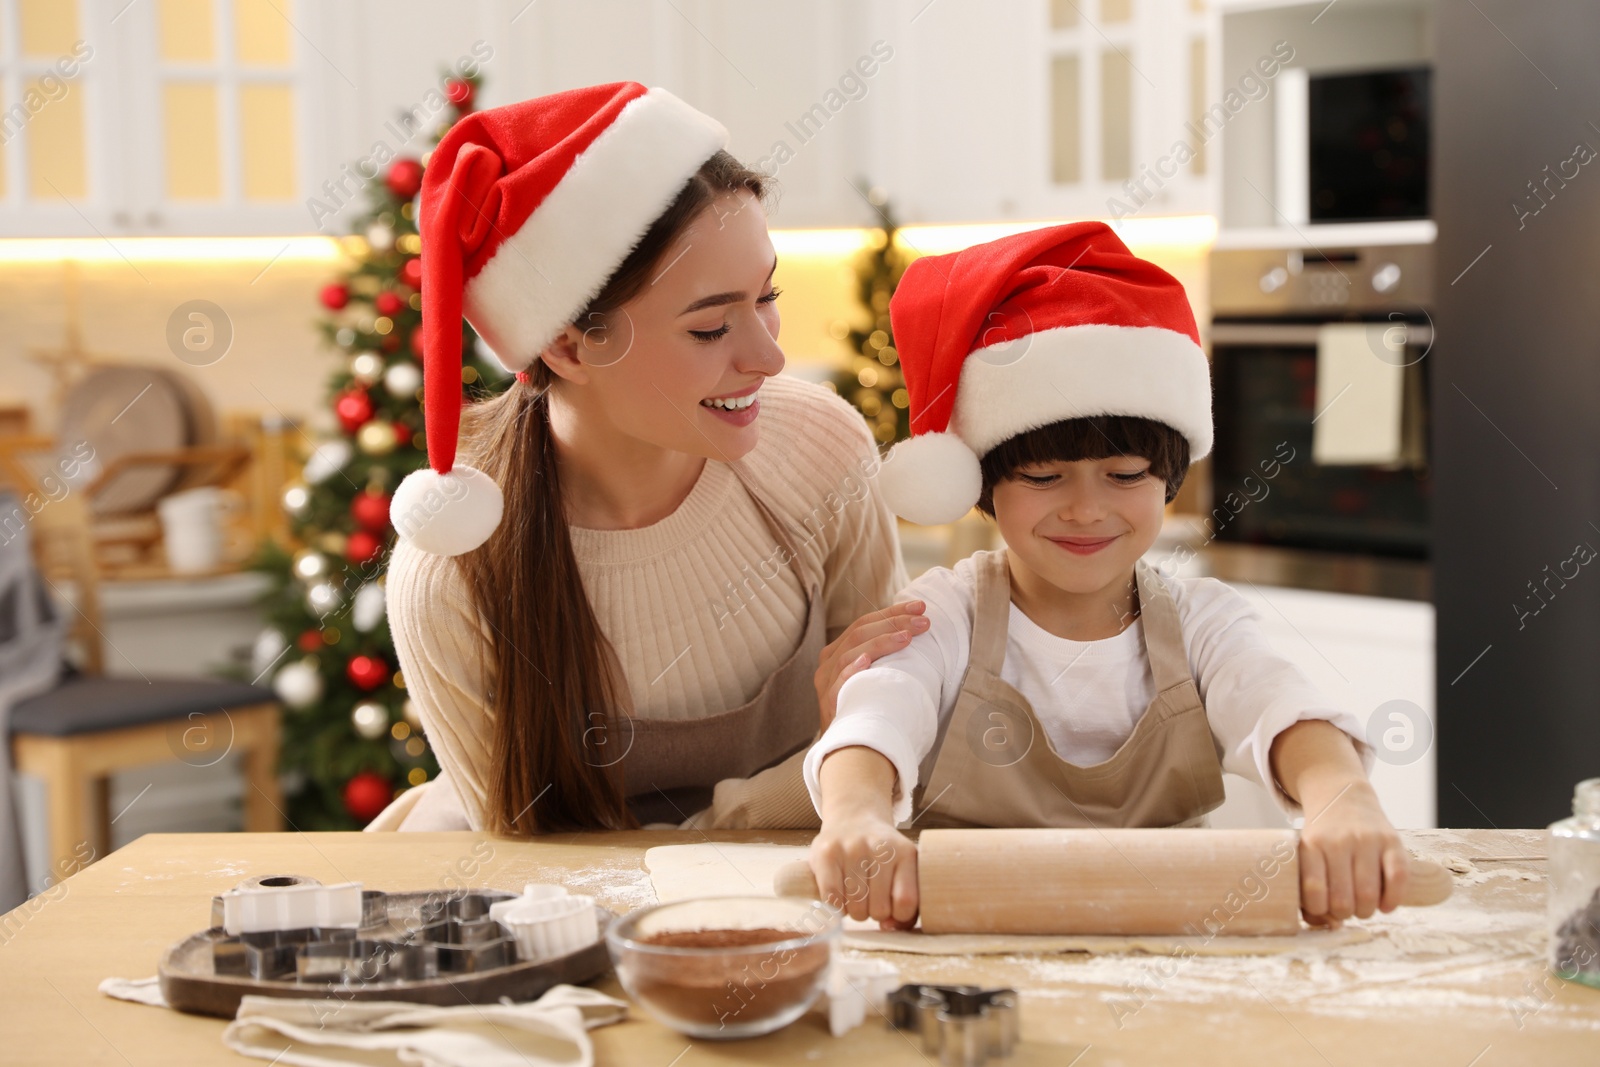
(729, 987)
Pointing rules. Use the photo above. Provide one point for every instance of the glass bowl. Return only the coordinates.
(725, 967)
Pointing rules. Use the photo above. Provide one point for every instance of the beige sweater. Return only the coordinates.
(691, 641)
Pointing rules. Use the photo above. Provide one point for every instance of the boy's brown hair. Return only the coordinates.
(1095, 437)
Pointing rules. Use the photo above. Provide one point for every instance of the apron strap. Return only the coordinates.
(781, 531)
(1163, 633)
(991, 612)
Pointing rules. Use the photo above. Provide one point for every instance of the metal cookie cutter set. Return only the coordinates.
(295, 929)
(964, 1026)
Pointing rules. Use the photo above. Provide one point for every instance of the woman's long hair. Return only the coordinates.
(552, 676)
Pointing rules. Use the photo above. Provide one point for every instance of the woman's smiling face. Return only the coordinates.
(680, 365)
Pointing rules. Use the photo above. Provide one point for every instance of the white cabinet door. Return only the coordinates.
(1374, 657)
(1049, 108)
(178, 117)
(56, 83)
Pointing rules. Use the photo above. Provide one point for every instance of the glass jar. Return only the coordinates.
(1575, 888)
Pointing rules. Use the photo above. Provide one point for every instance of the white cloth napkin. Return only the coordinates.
(552, 1030)
(326, 1032)
(138, 990)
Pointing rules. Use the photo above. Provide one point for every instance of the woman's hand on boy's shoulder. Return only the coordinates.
(873, 636)
(868, 869)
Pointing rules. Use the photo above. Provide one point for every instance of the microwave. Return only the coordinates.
(1367, 145)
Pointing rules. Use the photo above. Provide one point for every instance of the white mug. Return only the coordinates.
(192, 526)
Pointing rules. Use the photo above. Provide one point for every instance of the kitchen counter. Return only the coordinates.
(1462, 983)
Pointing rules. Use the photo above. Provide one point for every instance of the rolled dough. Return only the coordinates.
(681, 872)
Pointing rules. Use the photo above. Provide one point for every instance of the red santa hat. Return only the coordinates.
(527, 210)
(1040, 327)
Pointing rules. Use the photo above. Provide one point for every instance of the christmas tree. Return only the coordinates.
(872, 381)
(350, 736)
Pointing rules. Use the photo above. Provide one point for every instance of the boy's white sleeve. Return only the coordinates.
(894, 706)
(1251, 692)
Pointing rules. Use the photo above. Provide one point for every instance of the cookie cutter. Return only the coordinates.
(293, 928)
(963, 1025)
(472, 904)
(358, 960)
(546, 921)
(289, 902)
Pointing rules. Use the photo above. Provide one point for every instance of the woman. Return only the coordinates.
(613, 615)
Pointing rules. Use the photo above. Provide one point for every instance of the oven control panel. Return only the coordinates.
(1321, 282)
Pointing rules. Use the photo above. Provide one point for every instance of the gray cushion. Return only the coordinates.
(81, 705)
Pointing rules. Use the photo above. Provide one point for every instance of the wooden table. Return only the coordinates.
(1463, 984)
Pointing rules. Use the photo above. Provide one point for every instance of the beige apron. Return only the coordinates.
(994, 764)
(672, 765)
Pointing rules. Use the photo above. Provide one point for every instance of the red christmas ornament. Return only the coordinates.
(334, 296)
(391, 342)
(371, 510)
(365, 795)
(411, 272)
(404, 178)
(402, 435)
(361, 547)
(354, 407)
(416, 343)
(366, 672)
(461, 93)
(388, 303)
(309, 641)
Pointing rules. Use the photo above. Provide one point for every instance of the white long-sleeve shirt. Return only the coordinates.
(1087, 695)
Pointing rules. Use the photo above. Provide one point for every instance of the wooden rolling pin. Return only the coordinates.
(1119, 882)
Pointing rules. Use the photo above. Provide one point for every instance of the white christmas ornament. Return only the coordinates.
(269, 645)
(366, 610)
(446, 514)
(403, 380)
(326, 460)
(299, 685)
(380, 237)
(370, 719)
(322, 599)
(366, 367)
(295, 499)
(309, 564)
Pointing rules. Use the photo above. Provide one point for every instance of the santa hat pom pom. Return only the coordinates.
(931, 478)
(446, 514)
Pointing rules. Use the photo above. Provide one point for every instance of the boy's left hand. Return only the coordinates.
(1351, 859)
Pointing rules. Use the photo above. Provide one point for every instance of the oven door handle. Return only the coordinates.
(1295, 333)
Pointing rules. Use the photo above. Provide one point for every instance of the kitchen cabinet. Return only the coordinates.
(195, 117)
(1050, 110)
(160, 118)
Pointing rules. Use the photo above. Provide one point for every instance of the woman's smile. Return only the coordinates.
(739, 408)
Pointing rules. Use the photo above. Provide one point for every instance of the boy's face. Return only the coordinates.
(1081, 525)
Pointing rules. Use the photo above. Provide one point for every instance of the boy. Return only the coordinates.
(1057, 382)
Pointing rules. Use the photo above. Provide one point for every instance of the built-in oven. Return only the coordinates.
(1320, 364)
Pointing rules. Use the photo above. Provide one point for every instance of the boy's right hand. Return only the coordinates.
(868, 869)
(863, 865)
